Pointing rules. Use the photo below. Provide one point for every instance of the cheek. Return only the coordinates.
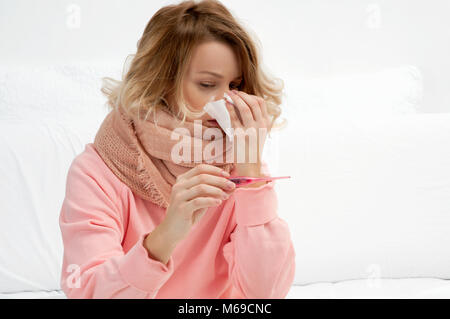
(195, 97)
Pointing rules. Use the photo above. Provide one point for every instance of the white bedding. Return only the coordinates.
(411, 288)
(367, 197)
(53, 294)
(385, 288)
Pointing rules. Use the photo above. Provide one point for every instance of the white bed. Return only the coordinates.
(368, 204)
(408, 288)
(411, 288)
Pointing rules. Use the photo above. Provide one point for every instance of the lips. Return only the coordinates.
(213, 123)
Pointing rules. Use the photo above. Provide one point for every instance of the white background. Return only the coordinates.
(368, 197)
(299, 38)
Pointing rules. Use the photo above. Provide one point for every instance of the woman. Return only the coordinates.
(128, 217)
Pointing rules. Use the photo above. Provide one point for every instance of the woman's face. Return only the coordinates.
(214, 69)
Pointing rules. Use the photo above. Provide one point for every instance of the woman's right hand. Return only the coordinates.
(193, 193)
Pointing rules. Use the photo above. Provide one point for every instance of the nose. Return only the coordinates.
(227, 92)
(219, 93)
(216, 97)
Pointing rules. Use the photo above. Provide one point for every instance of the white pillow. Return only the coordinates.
(34, 161)
(67, 93)
(368, 197)
(390, 91)
(47, 115)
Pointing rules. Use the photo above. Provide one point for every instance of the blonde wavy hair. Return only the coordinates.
(156, 72)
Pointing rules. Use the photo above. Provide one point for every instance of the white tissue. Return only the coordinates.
(218, 110)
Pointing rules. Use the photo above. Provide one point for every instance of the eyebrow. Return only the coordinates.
(218, 75)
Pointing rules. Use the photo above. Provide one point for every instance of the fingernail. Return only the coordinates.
(225, 173)
(230, 185)
(228, 98)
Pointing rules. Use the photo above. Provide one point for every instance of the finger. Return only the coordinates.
(253, 103)
(202, 202)
(244, 110)
(208, 179)
(264, 112)
(236, 122)
(204, 190)
(263, 105)
(200, 169)
(197, 215)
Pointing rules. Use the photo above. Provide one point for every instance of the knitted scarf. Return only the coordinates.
(138, 151)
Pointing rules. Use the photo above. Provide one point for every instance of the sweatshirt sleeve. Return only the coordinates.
(260, 253)
(94, 262)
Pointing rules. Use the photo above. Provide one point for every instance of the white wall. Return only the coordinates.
(299, 38)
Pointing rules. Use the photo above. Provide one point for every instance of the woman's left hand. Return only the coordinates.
(252, 114)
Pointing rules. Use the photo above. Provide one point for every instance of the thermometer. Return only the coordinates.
(245, 180)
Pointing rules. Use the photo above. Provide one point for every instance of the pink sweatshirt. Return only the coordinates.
(240, 249)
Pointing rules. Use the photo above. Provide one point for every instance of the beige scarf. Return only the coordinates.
(139, 151)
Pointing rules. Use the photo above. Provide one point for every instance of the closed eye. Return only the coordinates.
(235, 86)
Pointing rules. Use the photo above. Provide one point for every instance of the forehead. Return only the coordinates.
(215, 57)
